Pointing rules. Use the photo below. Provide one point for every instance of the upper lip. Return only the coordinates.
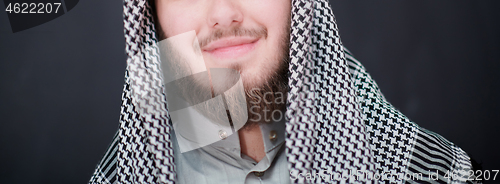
(229, 42)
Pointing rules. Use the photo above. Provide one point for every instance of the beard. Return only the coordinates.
(271, 94)
(266, 95)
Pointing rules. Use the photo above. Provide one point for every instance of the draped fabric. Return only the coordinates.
(326, 131)
(339, 121)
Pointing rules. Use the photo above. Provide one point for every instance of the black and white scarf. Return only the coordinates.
(339, 121)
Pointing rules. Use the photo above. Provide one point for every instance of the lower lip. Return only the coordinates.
(233, 51)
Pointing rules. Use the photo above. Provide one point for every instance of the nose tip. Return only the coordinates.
(224, 13)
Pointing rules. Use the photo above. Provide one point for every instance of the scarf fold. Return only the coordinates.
(325, 133)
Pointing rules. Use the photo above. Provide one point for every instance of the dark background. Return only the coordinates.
(61, 82)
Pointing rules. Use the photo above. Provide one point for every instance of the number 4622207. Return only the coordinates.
(33, 7)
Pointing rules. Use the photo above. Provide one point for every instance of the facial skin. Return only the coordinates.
(250, 36)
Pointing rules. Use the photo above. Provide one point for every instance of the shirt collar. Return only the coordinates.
(268, 130)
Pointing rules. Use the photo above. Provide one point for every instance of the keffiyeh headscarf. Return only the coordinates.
(339, 121)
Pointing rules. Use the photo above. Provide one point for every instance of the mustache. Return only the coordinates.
(235, 31)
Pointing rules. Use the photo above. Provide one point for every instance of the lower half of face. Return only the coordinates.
(250, 36)
(258, 61)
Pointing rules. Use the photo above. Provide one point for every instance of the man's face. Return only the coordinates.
(250, 36)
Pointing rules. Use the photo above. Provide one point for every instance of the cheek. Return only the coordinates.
(177, 21)
(175, 26)
(274, 13)
(275, 16)
(278, 24)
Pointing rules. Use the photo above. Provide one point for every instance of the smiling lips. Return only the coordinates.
(231, 47)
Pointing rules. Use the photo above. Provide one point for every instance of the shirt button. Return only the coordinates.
(222, 134)
(273, 135)
(259, 174)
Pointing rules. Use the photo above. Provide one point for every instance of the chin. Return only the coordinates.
(253, 79)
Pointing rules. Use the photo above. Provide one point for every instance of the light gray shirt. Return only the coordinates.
(223, 163)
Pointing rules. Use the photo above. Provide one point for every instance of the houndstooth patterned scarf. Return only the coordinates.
(339, 121)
